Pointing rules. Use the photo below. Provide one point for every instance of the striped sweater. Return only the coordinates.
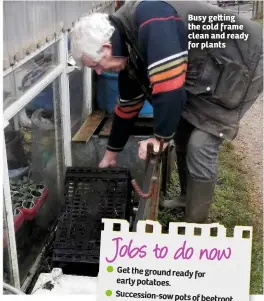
(163, 43)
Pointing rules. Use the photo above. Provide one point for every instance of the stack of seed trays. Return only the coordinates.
(90, 195)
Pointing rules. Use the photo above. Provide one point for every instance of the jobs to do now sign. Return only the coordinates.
(187, 263)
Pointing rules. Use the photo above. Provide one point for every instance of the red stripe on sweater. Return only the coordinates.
(169, 85)
(159, 19)
(125, 115)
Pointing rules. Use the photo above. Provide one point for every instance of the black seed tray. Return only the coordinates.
(90, 195)
(115, 173)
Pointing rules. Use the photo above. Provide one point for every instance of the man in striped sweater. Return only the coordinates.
(163, 43)
(160, 43)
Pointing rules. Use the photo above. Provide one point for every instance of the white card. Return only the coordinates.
(156, 266)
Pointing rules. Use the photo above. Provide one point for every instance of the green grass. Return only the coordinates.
(235, 204)
(260, 21)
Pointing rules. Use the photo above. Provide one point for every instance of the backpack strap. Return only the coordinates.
(128, 39)
(136, 66)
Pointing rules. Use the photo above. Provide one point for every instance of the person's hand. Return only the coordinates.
(109, 160)
(142, 150)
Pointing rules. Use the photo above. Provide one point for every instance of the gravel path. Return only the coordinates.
(249, 144)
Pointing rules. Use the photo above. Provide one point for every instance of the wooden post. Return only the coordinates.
(257, 12)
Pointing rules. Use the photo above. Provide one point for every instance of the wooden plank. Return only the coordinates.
(89, 127)
(105, 132)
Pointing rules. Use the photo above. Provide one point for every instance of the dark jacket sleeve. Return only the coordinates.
(130, 103)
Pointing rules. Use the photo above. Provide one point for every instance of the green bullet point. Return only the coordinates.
(110, 269)
(108, 293)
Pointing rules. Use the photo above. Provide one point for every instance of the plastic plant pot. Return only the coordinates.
(36, 194)
(40, 187)
(28, 204)
(17, 194)
(16, 212)
(25, 190)
(29, 197)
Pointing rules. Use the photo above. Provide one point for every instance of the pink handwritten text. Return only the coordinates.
(127, 250)
(215, 254)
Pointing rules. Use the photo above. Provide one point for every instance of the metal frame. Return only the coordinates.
(65, 100)
(61, 72)
(87, 93)
(26, 98)
(29, 57)
(10, 223)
